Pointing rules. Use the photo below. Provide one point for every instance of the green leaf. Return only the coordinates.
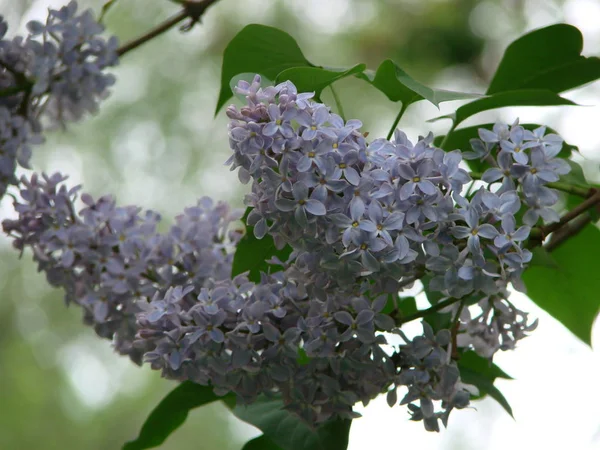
(569, 292)
(398, 86)
(288, 431)
(258, 49)
(261, 443)
(105, 8)
(542, 257)
(525, 97)
(308, 79)
(481, 373)
(548, 58)
(251, 253)
(171, 413)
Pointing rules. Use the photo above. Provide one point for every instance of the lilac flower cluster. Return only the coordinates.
(54, 75)
(526, 160)
(110, 260)
(363, 220)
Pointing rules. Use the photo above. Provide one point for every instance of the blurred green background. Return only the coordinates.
(155, 143)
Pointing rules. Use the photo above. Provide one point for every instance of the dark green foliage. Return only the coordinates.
(171, 413)
(309, 79)
(569, 290)
(258, 49)
(548, 58)
(482, 373)
(288, 431)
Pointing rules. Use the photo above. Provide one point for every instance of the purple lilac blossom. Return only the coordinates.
(54, 75)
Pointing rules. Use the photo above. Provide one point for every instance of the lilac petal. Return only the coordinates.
(357, 209)
(413, 215)
(375, 212)
(466, 272)
(341, 220)
(520, 157)
(394, 221)
(402, 245)
(460, 232)
(304, 164)
(369, 262)
(406, 171)
(377, 245)
(239, 134)
(427, 187)
(521, 234)
(487, 135)
(344, 317)
(315, 207)
(217, 335)
(531, 217)
(309, 134)
(508, 224)
(274, 112)
(300, 191)
(367, 225)
(491, 175)
(474, 245)
(472, 218)
(501, 241)
(286, 205)
(300, 216)
(547, 176)
(364, 317)
(321, 115)
(549, 215)
(352, 176)
(260, 229)
(304, 118)
(379, 303)
(487, 231)
(270, 129)
(407, 190)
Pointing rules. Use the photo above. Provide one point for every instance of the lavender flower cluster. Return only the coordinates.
(363, 220)
(110, 260)
(53, 75)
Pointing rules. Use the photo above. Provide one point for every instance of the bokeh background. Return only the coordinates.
(155, 143)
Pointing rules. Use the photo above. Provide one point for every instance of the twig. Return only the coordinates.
(338, 102)
(570, 230)
(432, 309)
(572, 214)
(580, 191)
(192, 9)
(397, 119)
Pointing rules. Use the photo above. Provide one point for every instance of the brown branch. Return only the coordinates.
(426, 312)
(192, 9)
(580, 209)
(570, 230)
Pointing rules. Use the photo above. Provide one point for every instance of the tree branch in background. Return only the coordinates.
(194, 10)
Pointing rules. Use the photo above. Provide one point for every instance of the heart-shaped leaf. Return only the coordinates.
(398, 86)
(172, 412)
(258, 49)
(309, 79)
(288, 431)
(261, 443)
(548, 58)
(525, 97)
(569, 291)
(481, 373)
